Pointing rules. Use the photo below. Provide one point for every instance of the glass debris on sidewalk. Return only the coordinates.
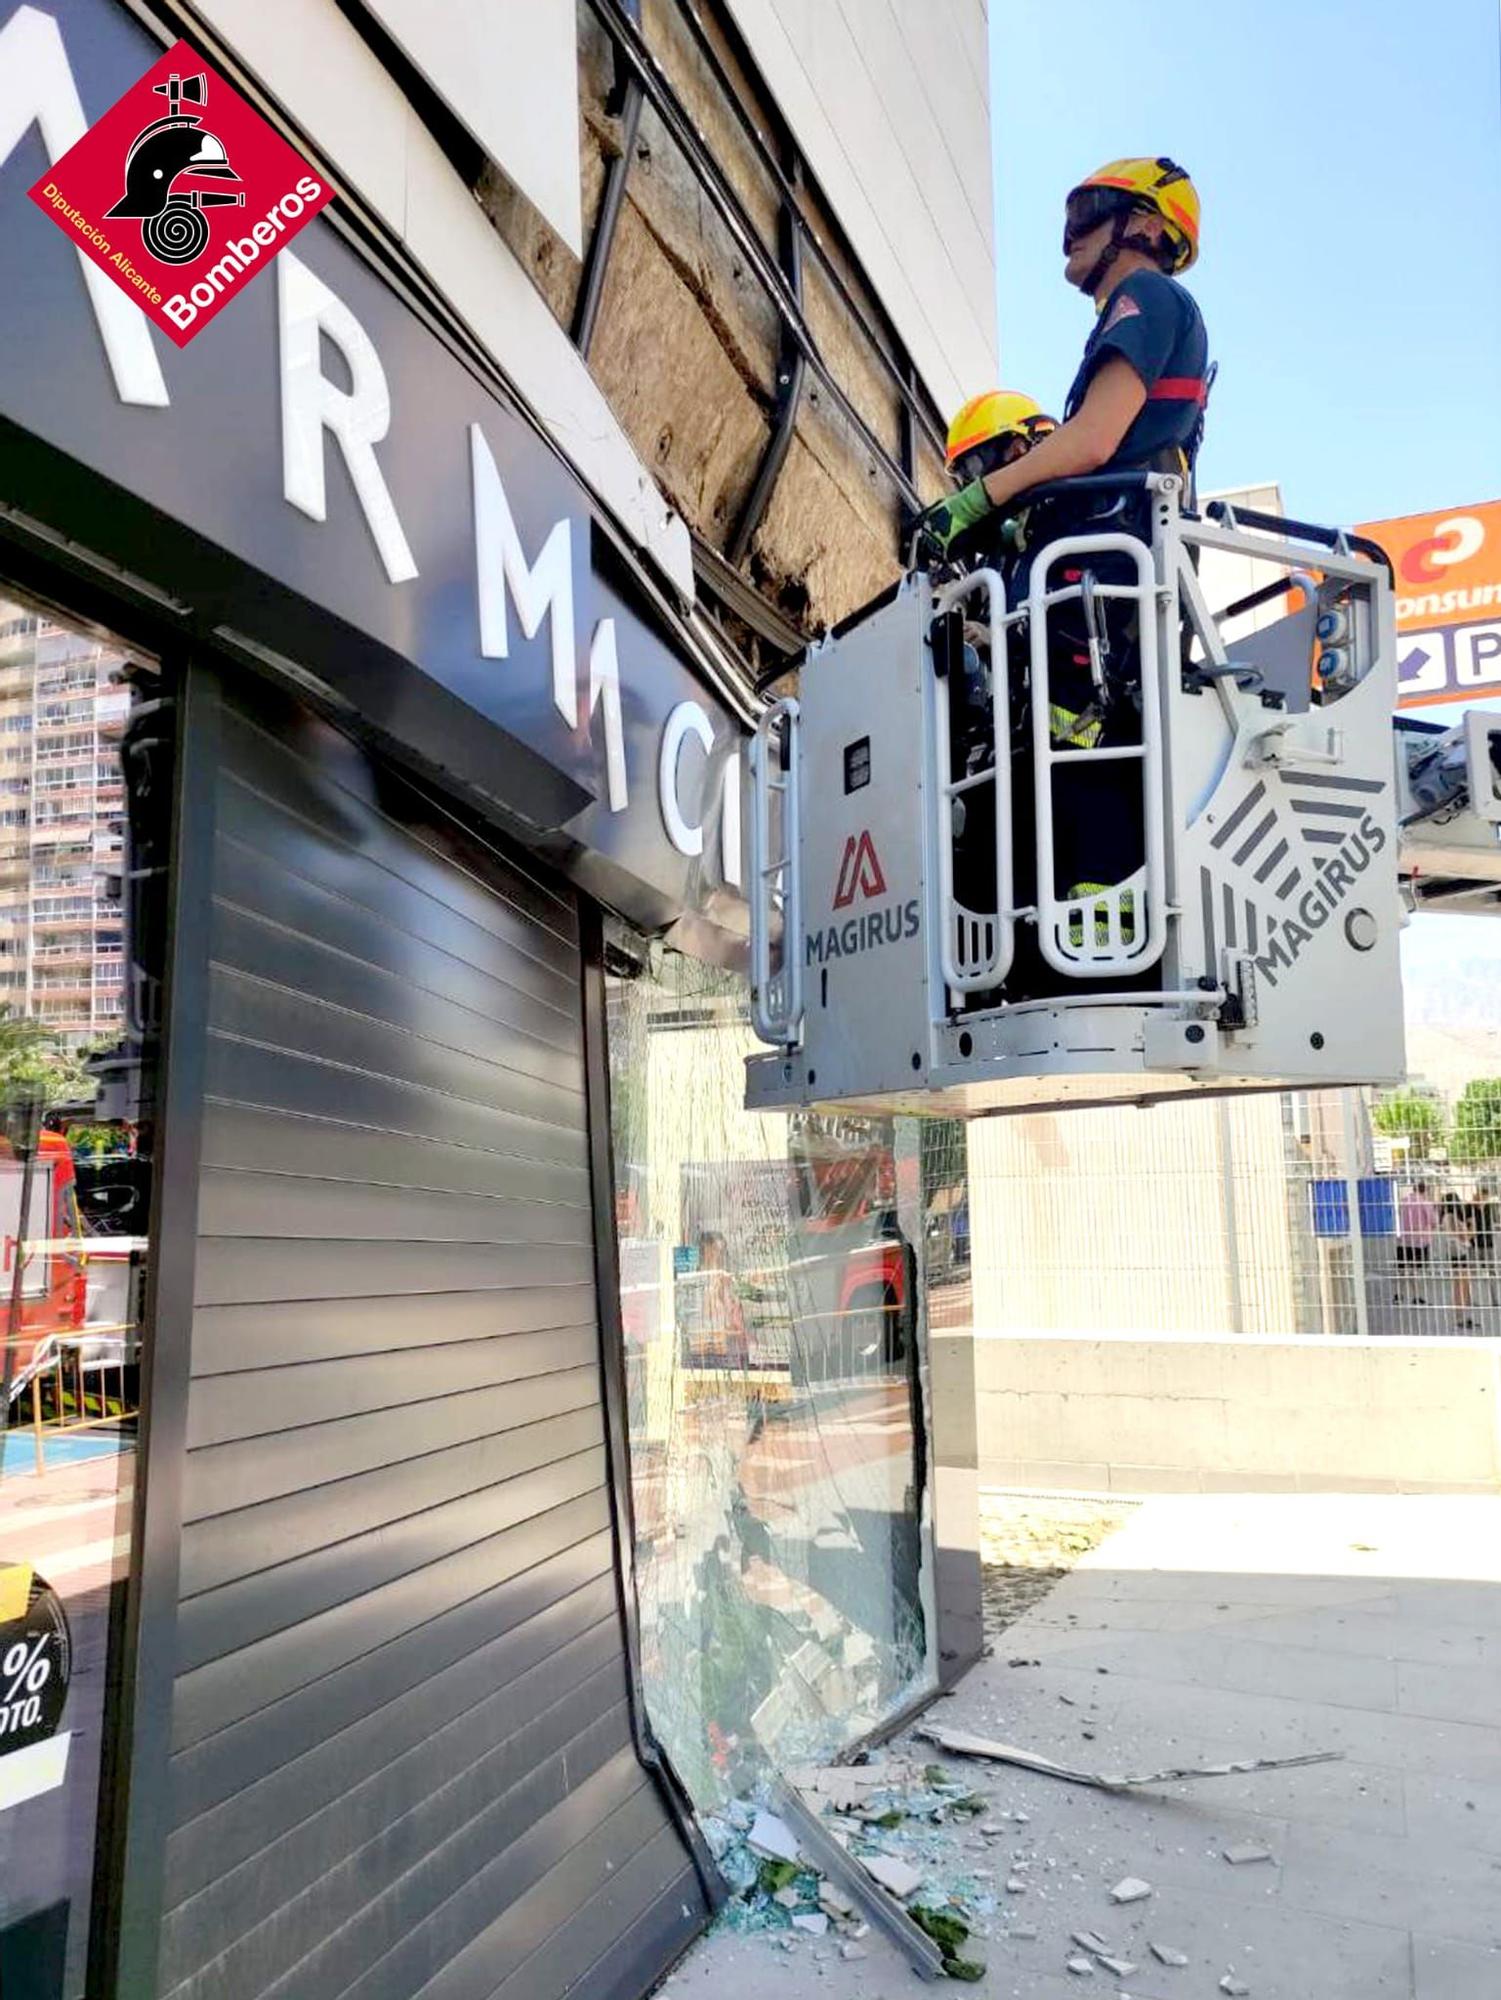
(897, 1820)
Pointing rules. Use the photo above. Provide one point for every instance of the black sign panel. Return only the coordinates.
(190, 495)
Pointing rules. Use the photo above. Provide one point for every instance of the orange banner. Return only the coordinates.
(1448, 576)
(1448, 565)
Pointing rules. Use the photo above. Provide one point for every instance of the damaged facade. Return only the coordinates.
(517, 1456)
(749, 360)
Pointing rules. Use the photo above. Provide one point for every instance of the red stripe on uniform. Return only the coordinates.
(1178, 389)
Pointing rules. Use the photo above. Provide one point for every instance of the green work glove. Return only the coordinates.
(942, 525)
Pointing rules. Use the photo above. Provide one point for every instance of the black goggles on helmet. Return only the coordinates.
(991, 454)
(1087, 207)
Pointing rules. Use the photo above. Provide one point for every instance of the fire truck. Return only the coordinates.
(54, 1282)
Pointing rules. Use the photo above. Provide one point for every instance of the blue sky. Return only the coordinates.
(1349, 160)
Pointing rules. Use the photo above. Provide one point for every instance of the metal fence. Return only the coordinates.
(1424, 1260)
(1264, 1215)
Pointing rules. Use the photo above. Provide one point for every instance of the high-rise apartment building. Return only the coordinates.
(62, 711)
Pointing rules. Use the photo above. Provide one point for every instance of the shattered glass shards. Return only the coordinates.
(775, 1394)
(905, 1825)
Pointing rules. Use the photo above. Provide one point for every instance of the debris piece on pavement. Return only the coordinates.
(1236, 1987)
(850, 1952)
(1015, 1886)
(1121, 1967)
(1167, 1954)
(1091, 1941)
(1023, 1933)
(1082, 1968)
(814, 1922)
(1245, 1851)
(1131, 1890)
(847, 1787)
(772, 1838)
(893, 1874)
(959, 1743)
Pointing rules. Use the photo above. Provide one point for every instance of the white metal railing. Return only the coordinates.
(1123, 927)
(776, 885)
(976, 947)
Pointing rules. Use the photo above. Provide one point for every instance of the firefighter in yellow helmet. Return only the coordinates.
(992, 430)
(1137, 401)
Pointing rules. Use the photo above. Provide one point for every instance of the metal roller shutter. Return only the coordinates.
(402, 1755)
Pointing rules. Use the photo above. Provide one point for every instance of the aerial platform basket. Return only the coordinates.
(1250, 940)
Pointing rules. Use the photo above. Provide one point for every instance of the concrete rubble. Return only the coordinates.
(898, 1876)
(772, 1838)
(928, 1844)
(1130, 1890)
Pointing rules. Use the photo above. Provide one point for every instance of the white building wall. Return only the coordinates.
(511, 73)
(889, 102)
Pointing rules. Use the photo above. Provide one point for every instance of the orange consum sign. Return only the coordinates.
(1448, 587)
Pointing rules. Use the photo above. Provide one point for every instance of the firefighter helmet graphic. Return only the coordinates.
(172, 225)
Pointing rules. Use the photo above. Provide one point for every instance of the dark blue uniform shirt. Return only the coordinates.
(1152, 322)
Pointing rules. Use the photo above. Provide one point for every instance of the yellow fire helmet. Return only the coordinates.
(1158, 184)
(996, 414)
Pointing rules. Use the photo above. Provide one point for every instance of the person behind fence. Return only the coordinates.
(1417, 1218)
(1482, 1219)
(1452, 1242)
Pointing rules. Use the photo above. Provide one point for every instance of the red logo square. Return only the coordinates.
(182, 193)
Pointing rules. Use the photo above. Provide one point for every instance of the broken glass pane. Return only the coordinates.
(775, 1390)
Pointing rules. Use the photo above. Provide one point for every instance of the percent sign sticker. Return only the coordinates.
(36, 1660)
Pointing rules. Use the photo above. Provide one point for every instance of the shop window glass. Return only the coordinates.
(775, 1391)
(75, 1152)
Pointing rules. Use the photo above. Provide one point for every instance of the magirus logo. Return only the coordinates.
(861, 874)
(1301, 870)
(181, 192)
(859, 871)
